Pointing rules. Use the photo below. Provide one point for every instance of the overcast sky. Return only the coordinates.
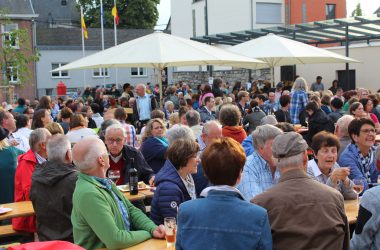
(368, 7)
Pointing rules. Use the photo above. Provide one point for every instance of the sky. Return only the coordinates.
(368, 7)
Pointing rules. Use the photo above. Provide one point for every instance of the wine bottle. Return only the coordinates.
(133, 178)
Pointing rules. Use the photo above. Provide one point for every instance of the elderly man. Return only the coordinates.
(303, 213)
(341, 131)
(193, 121)
(53, 184)
(211, 131)
(8, 122)
(144, 105)
(260, 172)
(359, 155)
(102, 217)
(27, 162)
(271, 104)
(179, 131)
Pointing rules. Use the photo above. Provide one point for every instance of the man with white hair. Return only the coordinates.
(193, 121)
(303, 213)
(102, 217)
(179, 131)
(260, 172)
(53, 184)
(143, 106)
(27, 162)
(341, 131)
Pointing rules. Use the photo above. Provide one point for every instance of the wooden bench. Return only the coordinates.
(7, 230)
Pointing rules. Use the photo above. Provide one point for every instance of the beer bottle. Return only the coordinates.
(133, 178)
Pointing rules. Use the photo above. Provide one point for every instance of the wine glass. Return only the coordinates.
(114, 175)
(358, 188)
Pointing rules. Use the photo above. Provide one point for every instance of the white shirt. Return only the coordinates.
(24, 132)
(23, 142)
(77, 135)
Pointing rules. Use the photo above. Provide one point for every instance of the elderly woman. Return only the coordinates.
(41, 118)
(323, 168)
(356, 109)
(154, 144)
(230, 119)
(174, 181)
(223, 163)
(359, 156)
(78, 128)
(8, 164)
(299, 99)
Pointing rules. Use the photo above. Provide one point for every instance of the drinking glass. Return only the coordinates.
(170, 230)
(378, 179)
(114, 175)
(358, 187)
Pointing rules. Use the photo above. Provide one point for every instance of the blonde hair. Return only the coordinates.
(4, 144)
(149, 127)
(55, 128)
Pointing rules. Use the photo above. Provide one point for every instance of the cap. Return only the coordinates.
(3, 133)
(288, 144)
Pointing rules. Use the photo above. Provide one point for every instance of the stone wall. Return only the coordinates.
(199, 77)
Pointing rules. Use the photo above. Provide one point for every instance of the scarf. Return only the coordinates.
(163, 140)
(365, 162)
(107, 184)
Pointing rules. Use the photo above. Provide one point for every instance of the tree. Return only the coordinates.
(133, 14)
(16, 54)
(357, 11)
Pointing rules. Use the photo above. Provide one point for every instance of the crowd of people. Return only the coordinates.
(257, 168)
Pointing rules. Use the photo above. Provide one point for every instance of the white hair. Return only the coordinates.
(116, 126)
(263, 133)
(342, 124)
(208, 125)
(57, 147)
(292, 161)
(300, 83)
(167, 103)
(179, 131)
(94, 150)
(38, 136)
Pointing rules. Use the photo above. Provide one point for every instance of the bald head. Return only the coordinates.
(87, 151)
(211, 131)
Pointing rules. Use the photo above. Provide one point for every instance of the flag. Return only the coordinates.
(84, 29)
(115, 15)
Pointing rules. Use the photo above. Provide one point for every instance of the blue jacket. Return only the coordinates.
(169, 194)
(222, 220)
(154, 153)
(248, 145)
(349, 158)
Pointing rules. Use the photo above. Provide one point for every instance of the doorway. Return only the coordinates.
(351, 84)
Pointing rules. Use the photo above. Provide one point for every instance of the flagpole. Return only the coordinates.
(102, 31)
(115, 34)
(83, 54)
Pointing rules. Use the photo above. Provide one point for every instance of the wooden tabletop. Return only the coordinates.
(139, 196)
(352, 208)
(19, 209)
(152, 244)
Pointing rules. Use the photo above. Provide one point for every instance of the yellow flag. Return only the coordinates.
(84, 29)
(115, 15)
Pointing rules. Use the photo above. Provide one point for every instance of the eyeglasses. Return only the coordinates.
(368, 131)
(112, 141)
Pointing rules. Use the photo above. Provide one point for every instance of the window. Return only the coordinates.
(8, 36)
(268, 12)
(59, 74)
(63, 2)
(49, 92)
(100, 72)
(330, 11)
(138, 72)
(12, 74)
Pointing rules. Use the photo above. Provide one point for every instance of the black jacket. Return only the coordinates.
(53, 185)
(153, 106)
(318, 122)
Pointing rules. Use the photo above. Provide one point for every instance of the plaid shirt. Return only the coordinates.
(257, 177)
(130, 139)
(297, 105)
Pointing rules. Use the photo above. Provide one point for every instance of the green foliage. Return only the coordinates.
(133, 14)
(357, 11)
(16, 52)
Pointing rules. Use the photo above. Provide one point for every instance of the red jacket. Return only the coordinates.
(23, 181)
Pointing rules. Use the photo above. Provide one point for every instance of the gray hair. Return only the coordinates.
(105, 125)
(167, 103)
(300, 84)
(94, 150)
(193, 118)
(342, 124)
(263, 133)
(57, 147)
(295, 161)
(269, 119)
(207, 126)
(38, 136)
(116, 126)
(179, 131)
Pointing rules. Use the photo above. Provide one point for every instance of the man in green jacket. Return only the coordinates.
(102, 216)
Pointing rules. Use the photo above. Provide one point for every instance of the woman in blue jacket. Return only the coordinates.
(174, 181)
(223, 219)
